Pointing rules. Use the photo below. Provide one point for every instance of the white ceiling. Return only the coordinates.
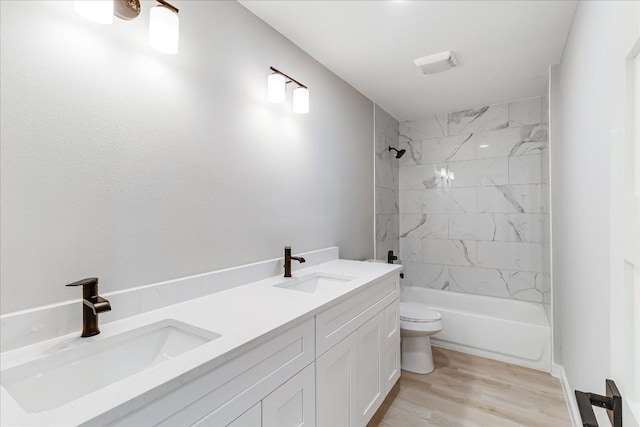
(503, 47)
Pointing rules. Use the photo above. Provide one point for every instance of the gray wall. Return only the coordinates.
(545, 192)
(554, 135)
(138, 167)
(580, 180)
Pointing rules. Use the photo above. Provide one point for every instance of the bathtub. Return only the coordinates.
(511, 331)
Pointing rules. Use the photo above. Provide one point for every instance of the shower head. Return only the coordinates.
(399, 153)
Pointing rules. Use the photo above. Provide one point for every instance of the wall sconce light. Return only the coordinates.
(164, 28)
(301, 100)
(277, 91)
(164, 24)
(276, 88)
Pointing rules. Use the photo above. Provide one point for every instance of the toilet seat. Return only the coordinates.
(418, 313)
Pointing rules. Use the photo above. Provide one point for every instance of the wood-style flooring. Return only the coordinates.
(468, 391)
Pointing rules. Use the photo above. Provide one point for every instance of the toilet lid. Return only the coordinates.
(414, 312)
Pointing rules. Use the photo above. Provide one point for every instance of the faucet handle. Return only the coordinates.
(89, 288)
(89, 281)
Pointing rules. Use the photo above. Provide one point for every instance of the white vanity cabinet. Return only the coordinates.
(334, 370)
(355, 374)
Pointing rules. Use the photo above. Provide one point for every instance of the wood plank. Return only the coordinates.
(471, 391)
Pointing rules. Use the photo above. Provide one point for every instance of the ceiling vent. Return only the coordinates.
(436, 63)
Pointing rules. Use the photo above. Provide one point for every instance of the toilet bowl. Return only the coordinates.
(417, 323)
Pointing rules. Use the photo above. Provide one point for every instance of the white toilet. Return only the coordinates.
(417, 323)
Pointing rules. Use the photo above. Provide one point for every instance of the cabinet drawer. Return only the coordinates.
(391, 323)
(337, 322)
(226, 392)
(251, 418)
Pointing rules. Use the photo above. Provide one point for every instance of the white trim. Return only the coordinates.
(630, 409)
(375, 187)
(574, 414)
(553, 94)
(556, 370)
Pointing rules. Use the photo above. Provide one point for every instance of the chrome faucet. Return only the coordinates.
(287, 260)
(92, 305)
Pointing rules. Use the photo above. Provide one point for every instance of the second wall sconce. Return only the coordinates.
(164, 24)
(277, 91)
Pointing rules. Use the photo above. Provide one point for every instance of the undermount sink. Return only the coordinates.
(315, 283)
(71, 373)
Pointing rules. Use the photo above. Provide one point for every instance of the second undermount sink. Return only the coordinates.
(315, 283)
(71, 373)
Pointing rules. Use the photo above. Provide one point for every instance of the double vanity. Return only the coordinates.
(319, 348)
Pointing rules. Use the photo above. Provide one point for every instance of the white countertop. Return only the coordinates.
(244, 316)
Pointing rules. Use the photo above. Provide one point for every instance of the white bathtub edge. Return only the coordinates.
(574, 414)
(491, 332)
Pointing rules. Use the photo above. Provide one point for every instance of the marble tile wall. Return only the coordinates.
(473, 211)
(387, 180)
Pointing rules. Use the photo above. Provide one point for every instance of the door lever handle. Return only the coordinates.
(612, 402)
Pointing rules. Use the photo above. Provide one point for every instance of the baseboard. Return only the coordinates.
(558, 372)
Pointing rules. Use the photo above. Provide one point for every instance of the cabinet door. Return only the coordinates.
(251, 418)
(335, 377)
(391, 358)
(293, 403)
(391, 324)
(369, 392)
(391, 366)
